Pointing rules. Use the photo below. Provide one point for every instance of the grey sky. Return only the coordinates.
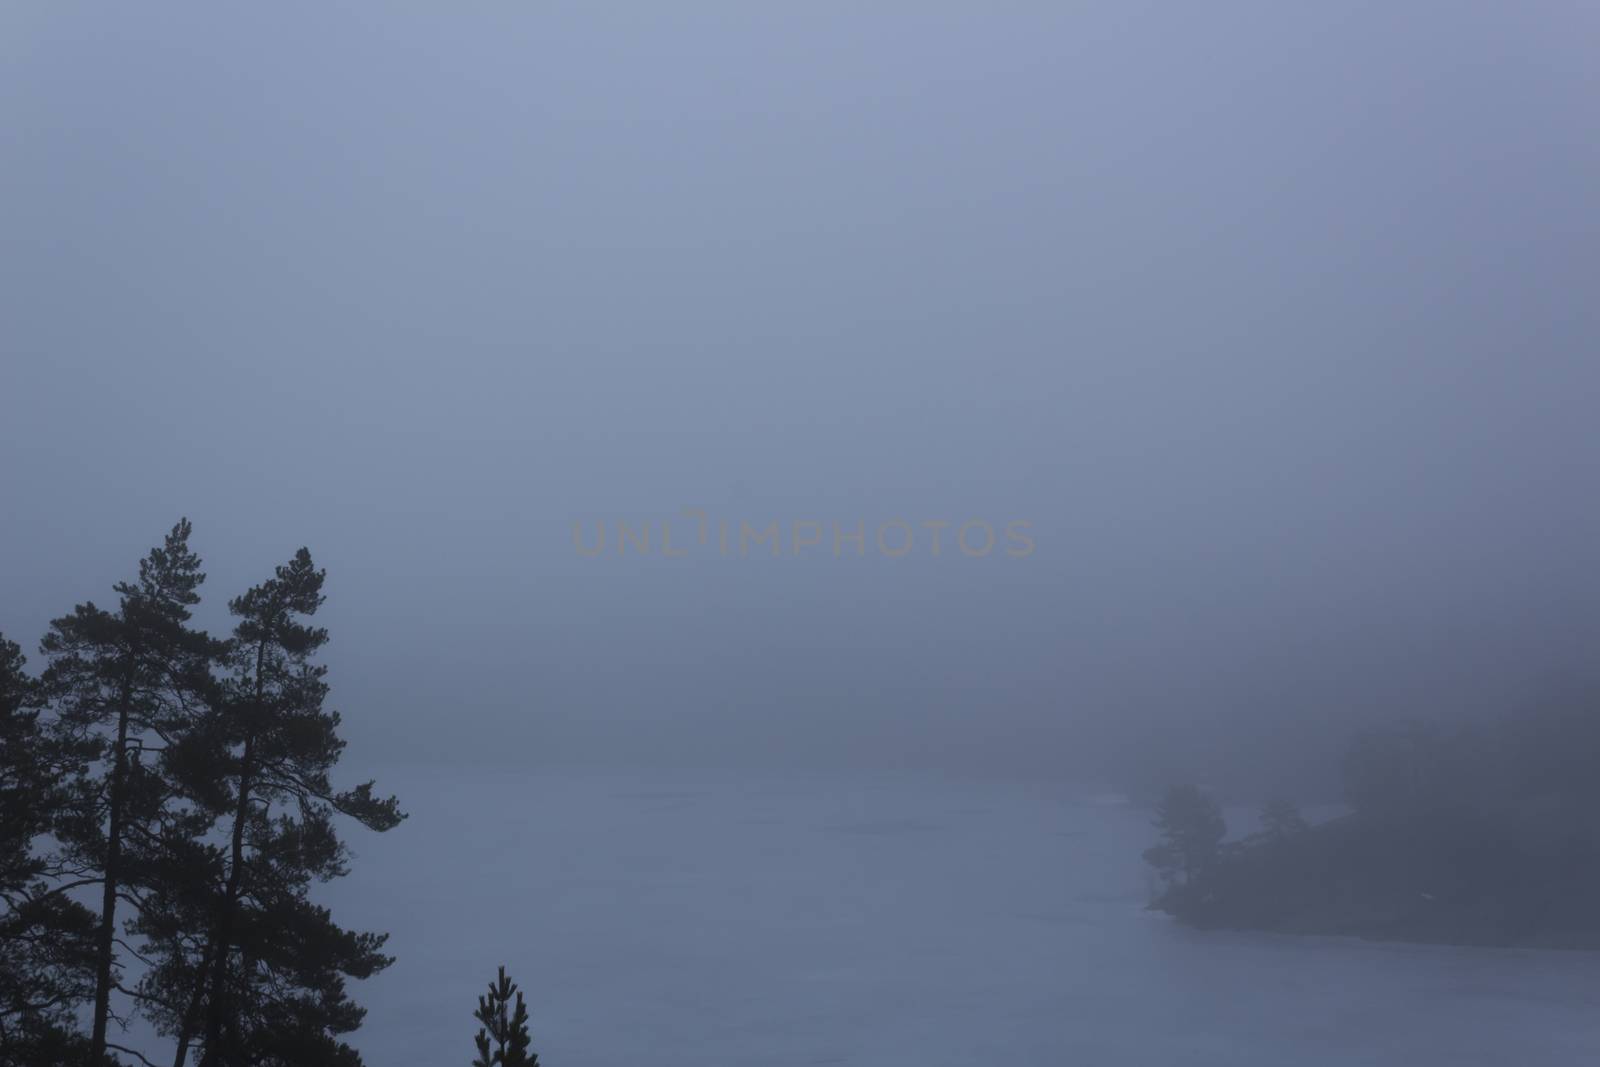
(1277, 321)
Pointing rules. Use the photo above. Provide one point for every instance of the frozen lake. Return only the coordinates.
(724, 922)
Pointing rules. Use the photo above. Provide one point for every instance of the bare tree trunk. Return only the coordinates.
(191, 1015)
(221, 943)
(108, 899)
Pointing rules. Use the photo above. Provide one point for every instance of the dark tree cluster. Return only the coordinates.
(166, 805)
(1485, 834)
(1191, 827)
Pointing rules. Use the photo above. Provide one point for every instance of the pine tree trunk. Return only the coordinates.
(191, 1016)
(221, 943)
(108, 900)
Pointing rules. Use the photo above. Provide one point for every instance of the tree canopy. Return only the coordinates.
(186, 783)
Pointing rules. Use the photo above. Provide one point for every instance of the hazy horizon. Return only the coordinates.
(1273, 322)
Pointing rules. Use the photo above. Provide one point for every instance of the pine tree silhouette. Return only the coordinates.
(504, 1040)
(47, 941)
(276, 991)
(117, 680)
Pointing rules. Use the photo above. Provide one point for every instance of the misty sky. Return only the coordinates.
(1276, 321)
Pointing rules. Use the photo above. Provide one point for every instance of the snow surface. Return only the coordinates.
(719, 922)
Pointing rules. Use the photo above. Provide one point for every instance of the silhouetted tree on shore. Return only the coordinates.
(1192, 830)
(1281, 819)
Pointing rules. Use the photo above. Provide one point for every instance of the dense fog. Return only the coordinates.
(1272, 322)
(1097, 395)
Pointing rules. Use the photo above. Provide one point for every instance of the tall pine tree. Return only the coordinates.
(124, 682)
(274, 964)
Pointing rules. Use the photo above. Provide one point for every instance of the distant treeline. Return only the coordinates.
(1484, 835)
